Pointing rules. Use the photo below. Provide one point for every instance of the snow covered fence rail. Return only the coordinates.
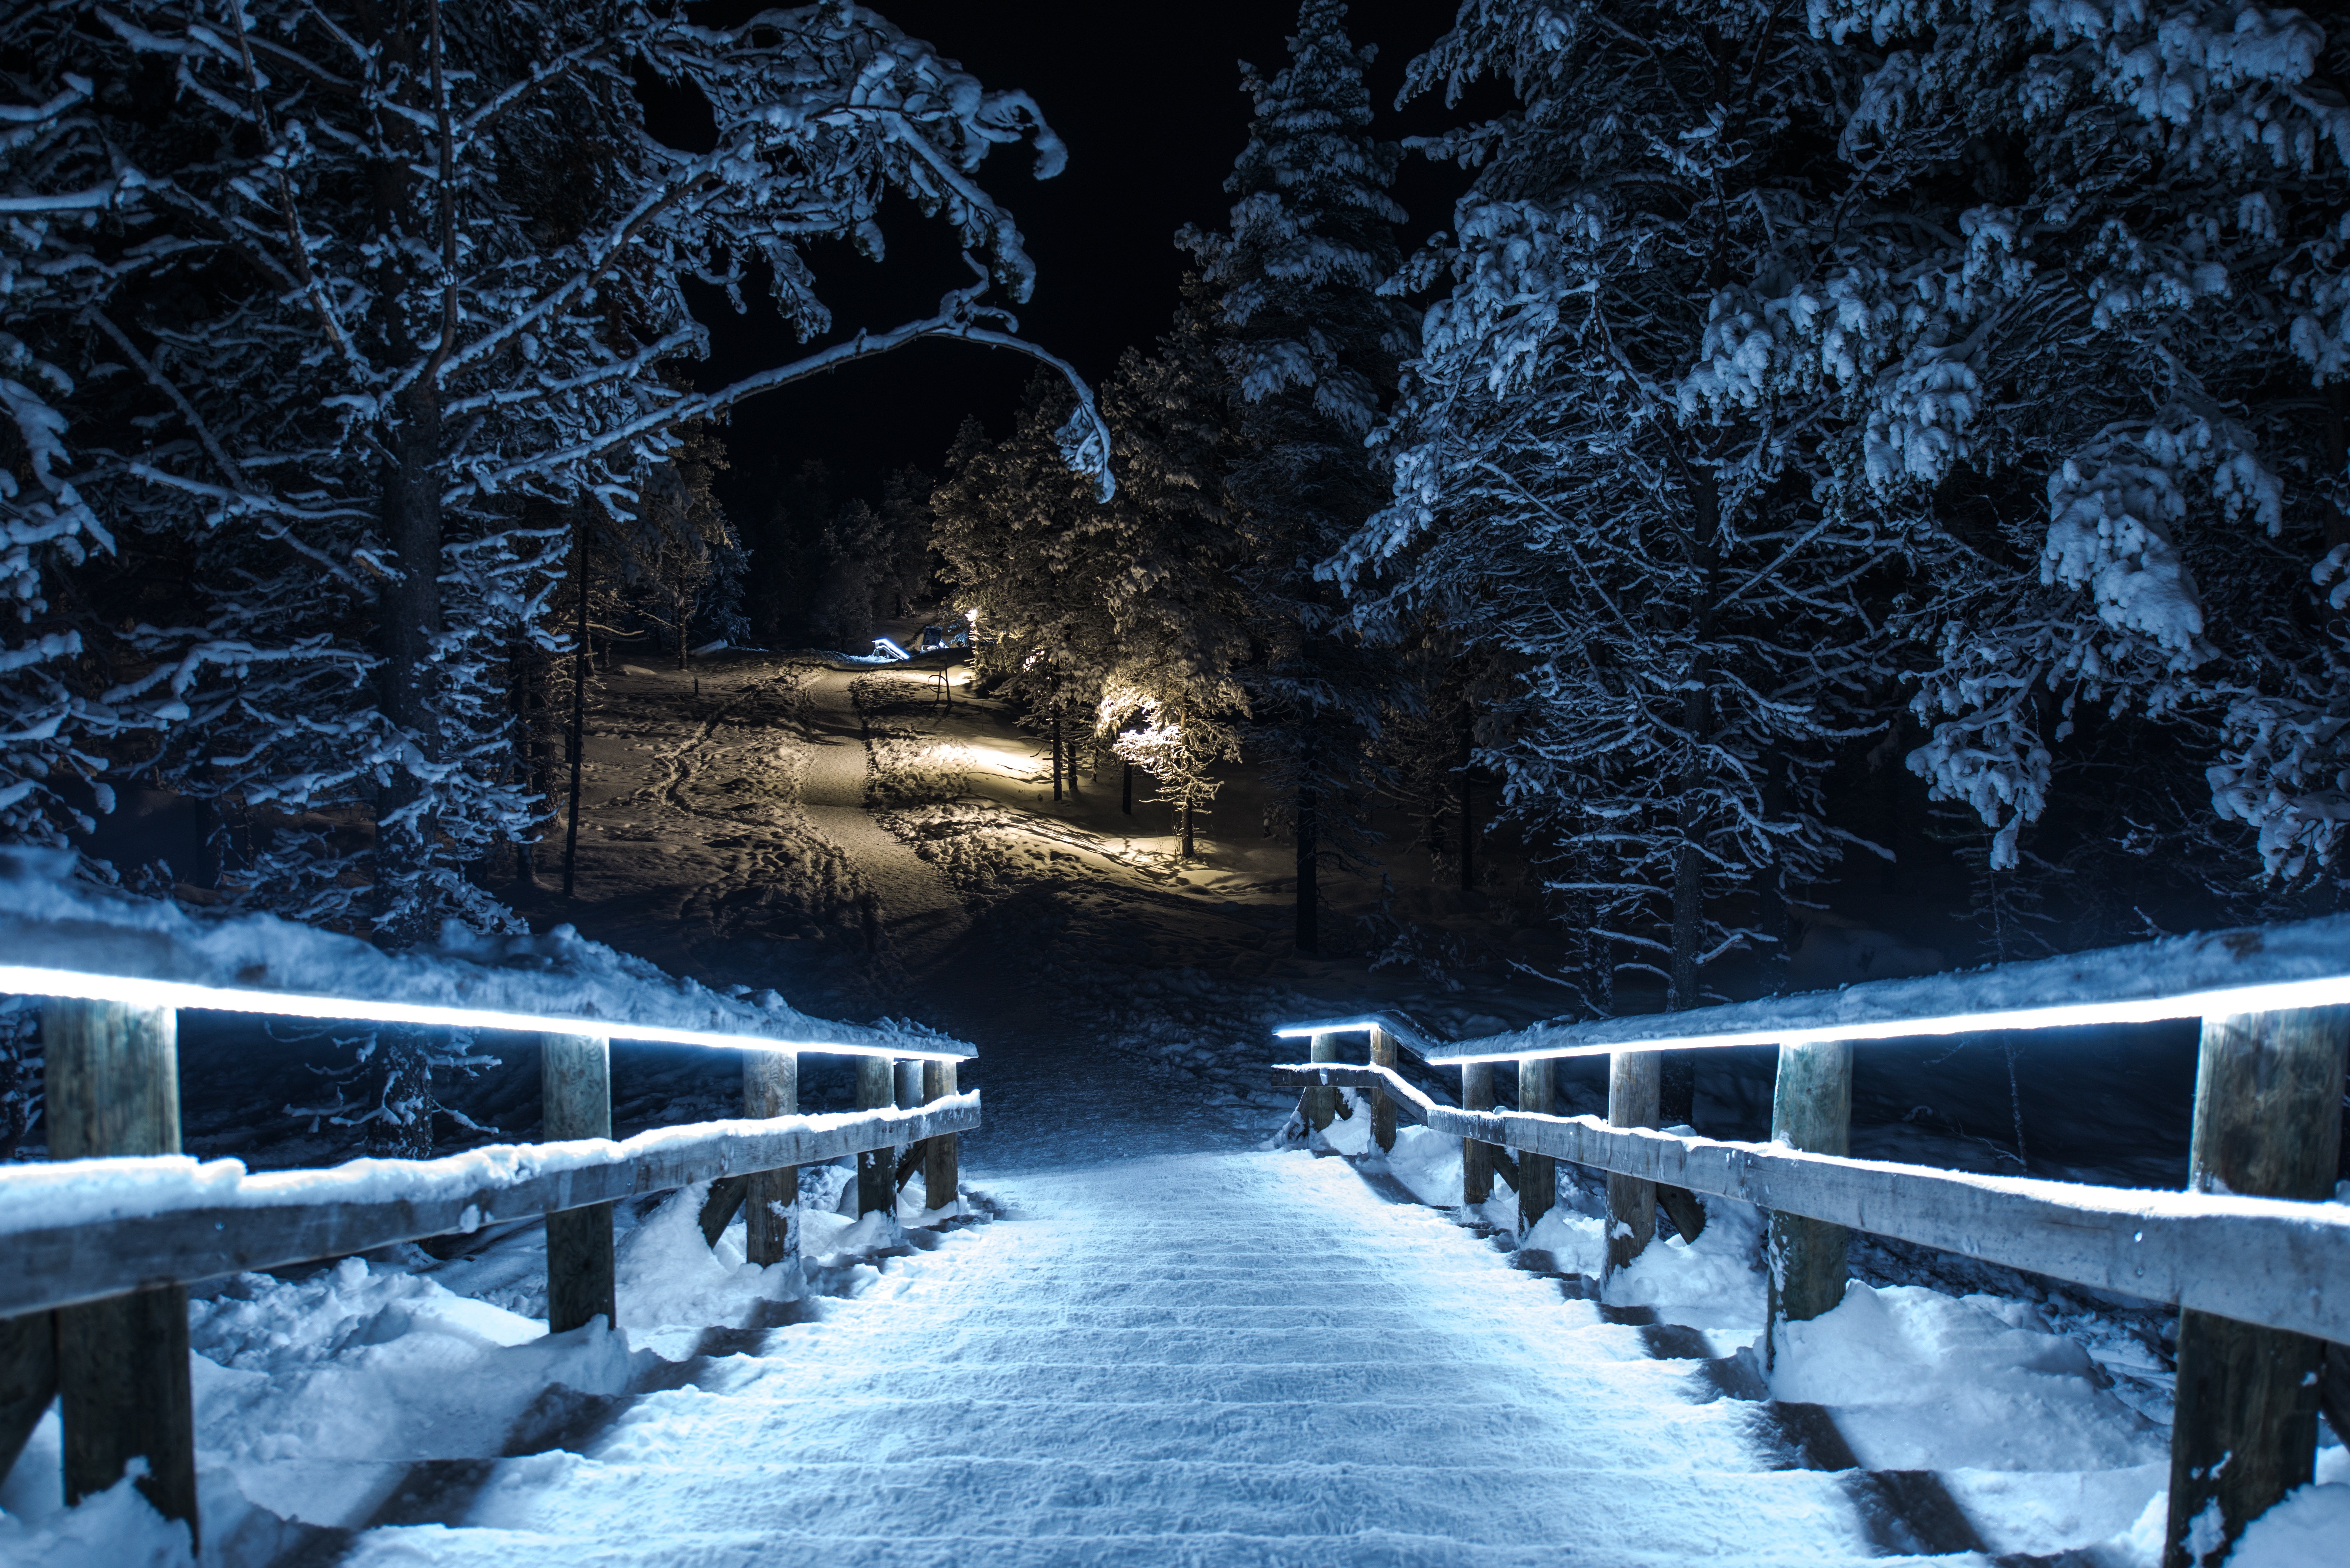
(105, 1242)
(78, 1230)
(2260, 1271)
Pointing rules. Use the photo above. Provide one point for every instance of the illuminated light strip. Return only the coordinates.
(138, 992)
(2333, 990)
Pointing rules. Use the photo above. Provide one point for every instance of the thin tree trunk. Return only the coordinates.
(1056, 754)
(579, 659)
(411, 622)
(1309, 891)
(1309, 841)
(1468, 805)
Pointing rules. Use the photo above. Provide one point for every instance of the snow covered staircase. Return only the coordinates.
(1214, 1358)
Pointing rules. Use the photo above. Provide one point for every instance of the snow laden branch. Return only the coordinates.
(416, 320)
(1084, 438)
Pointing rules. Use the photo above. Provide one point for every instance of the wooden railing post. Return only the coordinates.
(2268, 1124)
(941, 1156)
(1538, 1174)
(876, 1168)
(771, 1220)
(1633, 1087)
(576, 1101)
(1322, 1104)
(1383, 1111)
(1811, 1109)
(1476, 1159)
(113, 1088)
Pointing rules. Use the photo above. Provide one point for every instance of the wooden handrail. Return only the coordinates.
(2256, 969)
(2259, 1268)
(202, 1231)
(2265, 1261)
(104, 1242)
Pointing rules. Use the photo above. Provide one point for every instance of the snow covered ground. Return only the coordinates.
(1155, 1337)
(1227, 1356)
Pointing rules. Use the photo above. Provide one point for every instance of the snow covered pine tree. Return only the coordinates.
(1617, 464)
(1180, 615)
(1312, 347)
(2138, 423)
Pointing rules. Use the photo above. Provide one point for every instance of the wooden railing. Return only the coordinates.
(2259, 1268)
(103, 1242)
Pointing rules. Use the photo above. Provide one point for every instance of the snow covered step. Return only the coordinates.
(1321, 1333)
(1701, 1516)
(1217, 1383)
(475, 1548)
(674, 1431)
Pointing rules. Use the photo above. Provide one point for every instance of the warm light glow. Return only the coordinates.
(140, 992)
(2331, 991)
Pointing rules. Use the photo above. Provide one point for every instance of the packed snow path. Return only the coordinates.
(1236, 1358)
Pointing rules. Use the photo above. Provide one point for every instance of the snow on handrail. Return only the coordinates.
(65, 939)
(2267, 1261)
(2265, 968)
(79, 1230)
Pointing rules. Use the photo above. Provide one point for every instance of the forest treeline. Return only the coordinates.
(1804, 404)
(1808, 408)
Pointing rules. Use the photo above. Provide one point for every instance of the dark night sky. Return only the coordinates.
(1147, 95)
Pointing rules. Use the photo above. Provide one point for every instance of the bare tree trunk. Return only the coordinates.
(579, 661)
(410, 620)
(1309, 891)
(1468, 804)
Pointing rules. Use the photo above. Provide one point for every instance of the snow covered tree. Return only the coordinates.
(59, 185)
(682, 567)
(2143, 412)
(1027, 545)
(393, 273)
(1620, 474)
(1312, 347)
(1173, 694)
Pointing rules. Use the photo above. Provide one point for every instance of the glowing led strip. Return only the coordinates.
(142, 993)
(2276, 997)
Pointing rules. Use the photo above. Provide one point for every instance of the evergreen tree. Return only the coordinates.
(1027, 547)
(2137, 625)
(681, 566)
(1620, 479)
(1312, 348)
(1173, 697)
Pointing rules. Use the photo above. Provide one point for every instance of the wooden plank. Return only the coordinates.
(112, 1085)
(1811, 1109)
(1321, 1105)
(876, 1168)
(771, 1231)
(1634, 1082)
(56, 1266)
(2297, 964)
(28, 1379)
(1383, 1113)
(97, 959)
(1538, 1174)
(725, 1200)
(1476, 1159)
(576, 1099)
(2267, 1122)
(2271, 1262)
(942, 1156)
